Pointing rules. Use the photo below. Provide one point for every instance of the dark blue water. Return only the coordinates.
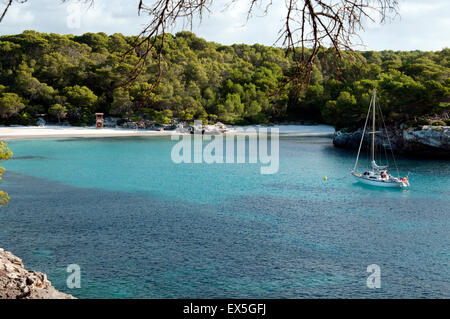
(141, 226)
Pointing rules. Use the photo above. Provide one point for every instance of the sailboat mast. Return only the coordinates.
(373, 127)
(363, 133)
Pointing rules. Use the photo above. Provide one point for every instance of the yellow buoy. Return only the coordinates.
(325, 178)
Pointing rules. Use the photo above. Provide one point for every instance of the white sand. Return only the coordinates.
(30, 132)
(21, 132)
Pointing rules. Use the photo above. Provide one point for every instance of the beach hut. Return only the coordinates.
(99, 120)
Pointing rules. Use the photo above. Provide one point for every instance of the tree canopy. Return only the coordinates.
(312, 24)
(76, 76)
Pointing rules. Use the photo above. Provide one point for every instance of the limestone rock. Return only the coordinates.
(18, 283)
(434, 136)
(428, 140)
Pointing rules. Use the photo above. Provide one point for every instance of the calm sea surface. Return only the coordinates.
(141, 226)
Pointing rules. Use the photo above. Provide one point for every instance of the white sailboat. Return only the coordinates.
(377, 175)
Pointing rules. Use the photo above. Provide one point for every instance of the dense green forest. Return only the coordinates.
(71, 77)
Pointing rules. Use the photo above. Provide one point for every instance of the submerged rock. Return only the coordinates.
(18, 283)
(428, 140)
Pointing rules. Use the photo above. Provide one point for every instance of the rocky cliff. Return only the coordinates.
(428, 140)
(18, 283)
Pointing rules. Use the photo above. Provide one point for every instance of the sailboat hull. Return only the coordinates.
(379, 183)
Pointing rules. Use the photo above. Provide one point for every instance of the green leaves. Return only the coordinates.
(80, 96)
(10, 104)
(72, 77)
(5, 154)
(58, 111)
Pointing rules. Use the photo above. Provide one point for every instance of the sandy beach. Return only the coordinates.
(50, 131)
(32, 132)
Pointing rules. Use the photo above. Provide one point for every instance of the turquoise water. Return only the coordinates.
(141, 226)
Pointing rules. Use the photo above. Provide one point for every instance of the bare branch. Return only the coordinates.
(309, 25)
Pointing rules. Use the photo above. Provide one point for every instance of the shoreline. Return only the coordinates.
(36, 132)
(426, 141)
(16, 282)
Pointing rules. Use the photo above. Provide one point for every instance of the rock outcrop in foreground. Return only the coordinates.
(428, 141)
(18, 283)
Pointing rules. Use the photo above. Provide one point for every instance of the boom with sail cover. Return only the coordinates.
(375, 166)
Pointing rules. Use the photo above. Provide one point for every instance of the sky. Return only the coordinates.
(421, 25)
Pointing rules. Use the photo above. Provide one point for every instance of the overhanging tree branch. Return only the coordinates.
(309, 25)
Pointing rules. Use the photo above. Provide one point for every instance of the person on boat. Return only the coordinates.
(405, 181)
(384, 175)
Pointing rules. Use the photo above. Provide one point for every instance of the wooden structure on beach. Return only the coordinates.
(99, 120)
